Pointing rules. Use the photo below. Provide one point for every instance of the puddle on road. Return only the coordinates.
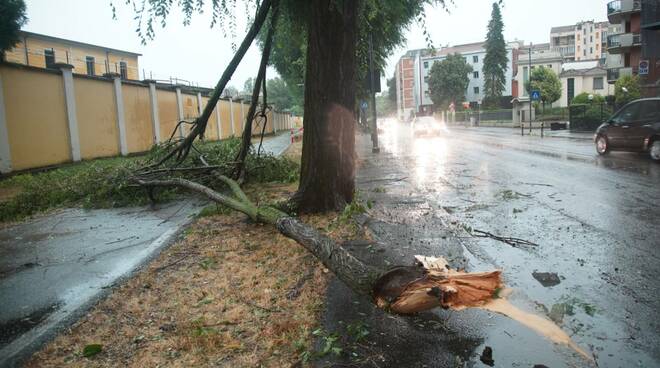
(539, 324)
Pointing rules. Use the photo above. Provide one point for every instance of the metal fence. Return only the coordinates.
(587, 117)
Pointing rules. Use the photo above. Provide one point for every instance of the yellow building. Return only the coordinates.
(44, 51)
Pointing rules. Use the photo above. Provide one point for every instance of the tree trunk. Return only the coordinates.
(327, 179)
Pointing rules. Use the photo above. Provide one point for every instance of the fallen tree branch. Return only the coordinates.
(199, 125)
(402, 289)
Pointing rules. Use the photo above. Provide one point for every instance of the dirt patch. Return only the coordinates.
(228, 293)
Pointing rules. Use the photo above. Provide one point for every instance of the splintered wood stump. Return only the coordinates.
(431, 284)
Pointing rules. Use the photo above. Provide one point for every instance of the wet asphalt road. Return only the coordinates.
(594, 221)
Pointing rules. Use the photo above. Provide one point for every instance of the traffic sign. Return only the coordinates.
(643, 67)
(536, 95)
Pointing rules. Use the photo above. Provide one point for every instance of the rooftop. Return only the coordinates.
(78, 43)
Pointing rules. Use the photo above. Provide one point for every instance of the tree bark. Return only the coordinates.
(327, 179)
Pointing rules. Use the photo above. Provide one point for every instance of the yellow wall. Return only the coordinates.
(36, 118)
(167, 114)
(137, 115)
(76, 56)
(37, 125)
(212, 127)
(97, 118)
(238, 119)
(189, 110)
(225, 119)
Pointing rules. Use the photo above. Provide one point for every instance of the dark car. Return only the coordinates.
(635, 127)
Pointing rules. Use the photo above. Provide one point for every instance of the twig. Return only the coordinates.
(514, 242)
(177, 261)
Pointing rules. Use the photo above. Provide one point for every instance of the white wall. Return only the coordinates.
(584, 84)
(474, 82)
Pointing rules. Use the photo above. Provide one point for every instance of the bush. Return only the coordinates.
(104, 183)
(583, 98)
(632, 84)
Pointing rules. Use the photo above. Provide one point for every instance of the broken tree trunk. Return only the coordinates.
(402, 290)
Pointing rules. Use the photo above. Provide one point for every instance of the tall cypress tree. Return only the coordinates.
(495, 62)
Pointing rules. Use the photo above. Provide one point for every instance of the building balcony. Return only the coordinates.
(619, 10)
(623, 42)
(614, 74)
(565, 51)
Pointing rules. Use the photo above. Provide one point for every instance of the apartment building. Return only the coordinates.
(582, 41)
(44, 51)
(413, 69)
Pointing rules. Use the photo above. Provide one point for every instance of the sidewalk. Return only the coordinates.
(53, 268)
(565, 134)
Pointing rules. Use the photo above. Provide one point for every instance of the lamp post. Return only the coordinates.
(529, 93)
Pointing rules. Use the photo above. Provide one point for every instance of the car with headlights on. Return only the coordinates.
(427, 126)
(635, 128)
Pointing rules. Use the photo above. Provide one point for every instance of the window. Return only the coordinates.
(578, 48)
(426, 93)
(49, 55)
(476, 90)
(89, 60)
(525, 79)
(597, 34)
(584, 52)
(598, 83)
(597, 47)
(475, 75)
(578, 37)
(426, 65)
(591, 38)
(475, 59)
(591, 50)
(627, 115)
(570, 90)
(650, 111)
(426, 78)
(549, 66)
(123, 70)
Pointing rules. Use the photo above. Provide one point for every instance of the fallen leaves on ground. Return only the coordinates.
(228, 293)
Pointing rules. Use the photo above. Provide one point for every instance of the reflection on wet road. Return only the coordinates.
(594, 220)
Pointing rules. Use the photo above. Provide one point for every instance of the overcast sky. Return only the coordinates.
(199, 53)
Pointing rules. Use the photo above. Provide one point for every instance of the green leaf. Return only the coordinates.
(91, 350)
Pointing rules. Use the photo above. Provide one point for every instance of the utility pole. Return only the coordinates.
(374, 124)
(529, 93)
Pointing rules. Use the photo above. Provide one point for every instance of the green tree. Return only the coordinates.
(496, 60)
(546, 81)
(632, 90)
(391, 91)
(248, 86)
(230, 91)
(12, 18)
(279, 94)
(448, 80)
